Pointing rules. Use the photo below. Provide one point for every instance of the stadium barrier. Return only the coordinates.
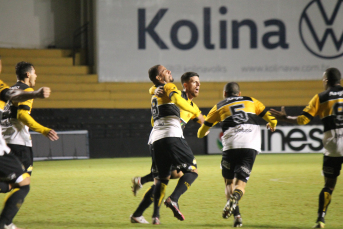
(71, 145)
(285, 139)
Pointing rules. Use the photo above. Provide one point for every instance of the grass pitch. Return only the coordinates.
(281, 193)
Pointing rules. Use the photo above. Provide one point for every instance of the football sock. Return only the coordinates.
(324, 201)
(183, 185)
(147, 178)
(13, 204)
(238, 194)
(4, 187)
(145, 203)
(159, 192)
(236, 211)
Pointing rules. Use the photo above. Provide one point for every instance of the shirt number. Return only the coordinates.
(238, 116)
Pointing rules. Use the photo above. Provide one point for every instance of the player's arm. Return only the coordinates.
(211, 120)
(261, 111)
(307, 115)
(21, 96)
(24, 116)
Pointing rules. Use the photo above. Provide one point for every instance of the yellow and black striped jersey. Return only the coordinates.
(238, 116)
(235, 111)
(3, 147)
(15, 129)
(3, 101)
(165, 112)
(328, 105)
(163, 106)
(185, 116)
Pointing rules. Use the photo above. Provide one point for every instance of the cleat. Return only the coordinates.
(238, 222)
(175, 208)
(229, 207)
(319, 224)
(136, 185)
(11, 226)
(156, 221)
(139, 219)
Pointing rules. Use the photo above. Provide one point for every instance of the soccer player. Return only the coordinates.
(12, 174)
(241, 142)
(15, 128)
(168, 144)
(191, 86)
(329, 107)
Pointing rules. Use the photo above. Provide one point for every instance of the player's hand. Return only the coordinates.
(279, 115)
(52, 135)
(269, 127)
(43, 92)
(159, 91)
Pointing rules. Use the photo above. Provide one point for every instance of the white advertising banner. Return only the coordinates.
(240, 40)
(286, 139)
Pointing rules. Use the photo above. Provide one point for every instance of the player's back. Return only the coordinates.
(238, 116)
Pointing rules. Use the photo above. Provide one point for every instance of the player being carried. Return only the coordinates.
(191, 86)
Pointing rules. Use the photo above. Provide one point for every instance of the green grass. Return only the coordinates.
(281, 193)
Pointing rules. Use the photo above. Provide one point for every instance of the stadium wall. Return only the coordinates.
(122, 132)
(38, 24)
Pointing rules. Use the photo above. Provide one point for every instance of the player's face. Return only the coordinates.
(325, 81)
(165, 74)
(192, 87)
(32, 77)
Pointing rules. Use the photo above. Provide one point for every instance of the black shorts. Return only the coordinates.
(172, 151)
(24, 154)
(238, 163)
(10, 168)
(332, 166)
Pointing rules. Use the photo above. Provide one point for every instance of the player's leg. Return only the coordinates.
(331, 170)
(138, 182)
(162, 160)
(227, 165)
(12, 169)
(24, 154)
(182, 157)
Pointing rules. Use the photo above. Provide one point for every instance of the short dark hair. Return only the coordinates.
(232, 88)
(187, 75)
(333, 76)
(22, 68)
(153, 72)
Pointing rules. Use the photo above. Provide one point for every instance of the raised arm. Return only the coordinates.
(21, 96)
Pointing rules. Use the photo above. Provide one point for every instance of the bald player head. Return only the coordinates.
(231, 89)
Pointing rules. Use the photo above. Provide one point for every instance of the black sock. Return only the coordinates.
(324, 201)
(236, 211)
(145, 203)
(238, 194)
(13, 204)
(4, 187)
(147, 178)
(159, 192)
(183, 185)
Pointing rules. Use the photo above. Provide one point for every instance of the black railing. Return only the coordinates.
(80, 43)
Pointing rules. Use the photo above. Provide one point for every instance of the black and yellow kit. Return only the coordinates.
(328, 105)
(238, 116)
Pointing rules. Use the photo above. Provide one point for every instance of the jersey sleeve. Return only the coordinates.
(25, 117)
(260, 109)
(310, 111)
(170, 89)
(3, 89)
(26, 105)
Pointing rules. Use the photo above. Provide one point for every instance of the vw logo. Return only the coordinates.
(321, 28)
